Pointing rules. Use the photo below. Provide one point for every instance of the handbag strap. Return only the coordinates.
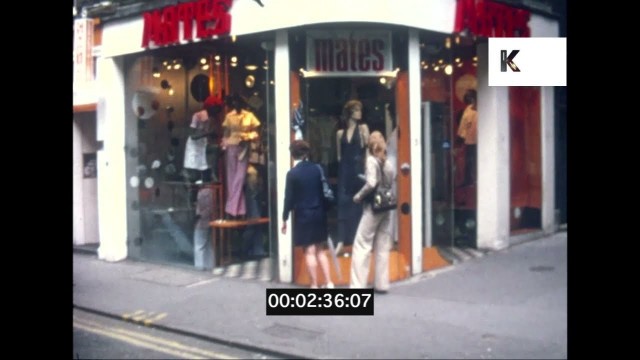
(382, 175)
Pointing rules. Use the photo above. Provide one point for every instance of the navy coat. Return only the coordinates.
(305, 197)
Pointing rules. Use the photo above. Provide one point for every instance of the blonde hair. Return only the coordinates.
(378, 148)
(376, 135)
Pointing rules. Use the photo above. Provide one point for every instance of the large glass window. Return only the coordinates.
(200, 121)
(449, 95)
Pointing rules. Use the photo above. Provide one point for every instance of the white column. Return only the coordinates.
(547, 120)
(112, 210)
(493, 159)
(78, 203)
(283, 163)
(415, 129)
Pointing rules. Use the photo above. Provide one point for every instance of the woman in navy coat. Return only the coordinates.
(304, 196)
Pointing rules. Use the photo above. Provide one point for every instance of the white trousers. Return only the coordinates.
(372, 227)
(203, 253)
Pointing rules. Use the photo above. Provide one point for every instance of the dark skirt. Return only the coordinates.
(309, 226)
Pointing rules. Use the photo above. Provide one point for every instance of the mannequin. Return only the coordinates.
(468, 131)
(196, 166)
(351, 145)
(240, 128)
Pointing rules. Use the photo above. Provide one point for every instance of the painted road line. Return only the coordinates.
(142, 344)
(149, 339)
(127, 316)
(157, 318)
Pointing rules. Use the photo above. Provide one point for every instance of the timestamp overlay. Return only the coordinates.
(319, 301)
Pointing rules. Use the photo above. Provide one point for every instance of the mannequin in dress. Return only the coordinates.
(351, 141)
(240, 128)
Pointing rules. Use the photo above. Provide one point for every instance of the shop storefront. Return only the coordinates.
(267, 79)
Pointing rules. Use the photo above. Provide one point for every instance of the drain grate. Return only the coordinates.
(542, 268)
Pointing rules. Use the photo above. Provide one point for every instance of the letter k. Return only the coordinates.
(510, 62)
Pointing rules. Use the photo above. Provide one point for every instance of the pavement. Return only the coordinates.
(510, 303)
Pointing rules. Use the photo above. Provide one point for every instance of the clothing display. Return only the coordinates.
(195, 150)
(351, 165)
(468, 130)
(240, 128)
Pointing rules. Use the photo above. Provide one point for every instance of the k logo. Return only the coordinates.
(508, 60)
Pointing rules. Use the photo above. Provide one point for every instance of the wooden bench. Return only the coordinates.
(219, 235)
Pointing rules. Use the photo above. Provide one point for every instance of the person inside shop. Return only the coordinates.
(351, 140)
(373, 228)
(468, 131)
(196, 166)
(304, 196)
(240, 129)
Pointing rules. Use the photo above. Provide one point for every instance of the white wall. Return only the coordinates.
(543, 27)
(78, 200)
(283, 134)
(85, 201)
(493, 159)
(125, 36)
(111, 161)
(415, 125)
(547, 131)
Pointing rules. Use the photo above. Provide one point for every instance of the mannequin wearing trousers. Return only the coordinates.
(239, 129)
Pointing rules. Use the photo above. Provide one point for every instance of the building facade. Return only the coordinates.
(292, 66)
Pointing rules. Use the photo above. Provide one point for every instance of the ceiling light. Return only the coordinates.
(448, 69)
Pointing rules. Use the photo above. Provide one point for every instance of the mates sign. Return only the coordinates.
(348, 53)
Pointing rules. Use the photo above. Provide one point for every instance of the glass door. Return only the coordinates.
(437, 138)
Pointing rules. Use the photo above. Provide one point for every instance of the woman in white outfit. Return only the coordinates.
(373, 227)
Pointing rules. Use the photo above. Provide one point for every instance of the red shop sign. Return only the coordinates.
(490, 19)
(174, 23)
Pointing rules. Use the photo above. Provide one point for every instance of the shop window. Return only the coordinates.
(198, 147)
(449, 69)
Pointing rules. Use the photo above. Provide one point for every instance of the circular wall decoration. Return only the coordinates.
(200, 87)
(148, 182)
(144, 103)
(464, 83)
(134, 181)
